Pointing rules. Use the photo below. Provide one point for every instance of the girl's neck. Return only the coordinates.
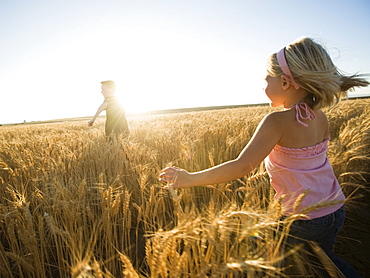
(290, 105)
(296, 96)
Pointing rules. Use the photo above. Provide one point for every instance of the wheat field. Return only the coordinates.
(74, 205)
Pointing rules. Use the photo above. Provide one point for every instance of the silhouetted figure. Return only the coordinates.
(116, 122)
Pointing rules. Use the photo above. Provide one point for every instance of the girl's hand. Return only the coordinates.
(175, 177)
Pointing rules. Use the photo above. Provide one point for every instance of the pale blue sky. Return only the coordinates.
(163, 54)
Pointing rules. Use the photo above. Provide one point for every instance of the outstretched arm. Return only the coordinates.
(267, 135)
(102, 107)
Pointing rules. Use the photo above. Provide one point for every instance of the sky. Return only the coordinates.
(163, 54)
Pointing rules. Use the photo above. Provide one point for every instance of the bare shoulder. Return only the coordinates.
(321, 118)
(278, 117)
(321, 115)
(323, 122)
(296, 135)
(275, 121)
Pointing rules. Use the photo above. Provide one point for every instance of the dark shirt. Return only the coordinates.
(116, 122)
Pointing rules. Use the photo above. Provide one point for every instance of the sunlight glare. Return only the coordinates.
(159, 69)
(154, 69)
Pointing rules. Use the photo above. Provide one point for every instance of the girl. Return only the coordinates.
(302, 78)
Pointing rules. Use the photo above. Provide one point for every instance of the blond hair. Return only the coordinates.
(111, 84)
(314, 71)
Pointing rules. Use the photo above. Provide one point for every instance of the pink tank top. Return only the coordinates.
(296, 171)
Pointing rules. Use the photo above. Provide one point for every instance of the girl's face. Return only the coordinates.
(274, 90)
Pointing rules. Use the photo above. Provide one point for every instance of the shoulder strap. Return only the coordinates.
(302, 108)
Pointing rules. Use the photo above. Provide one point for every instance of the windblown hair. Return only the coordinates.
(314, 71)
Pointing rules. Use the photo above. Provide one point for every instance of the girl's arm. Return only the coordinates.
(101, 108)
(266, 136)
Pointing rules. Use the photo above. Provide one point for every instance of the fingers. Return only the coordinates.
(169, 170)
(169, 175)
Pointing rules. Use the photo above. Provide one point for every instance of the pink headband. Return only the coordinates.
(284, 67)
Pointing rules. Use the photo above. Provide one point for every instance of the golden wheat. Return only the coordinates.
(73, 204)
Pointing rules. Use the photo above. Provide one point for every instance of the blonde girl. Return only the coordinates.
(302, 78)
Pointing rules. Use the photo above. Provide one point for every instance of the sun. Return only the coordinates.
(157, 69)
(154, 69)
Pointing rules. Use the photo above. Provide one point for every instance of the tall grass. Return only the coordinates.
(74, 205)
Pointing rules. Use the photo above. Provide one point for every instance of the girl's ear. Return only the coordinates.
(285, 82)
